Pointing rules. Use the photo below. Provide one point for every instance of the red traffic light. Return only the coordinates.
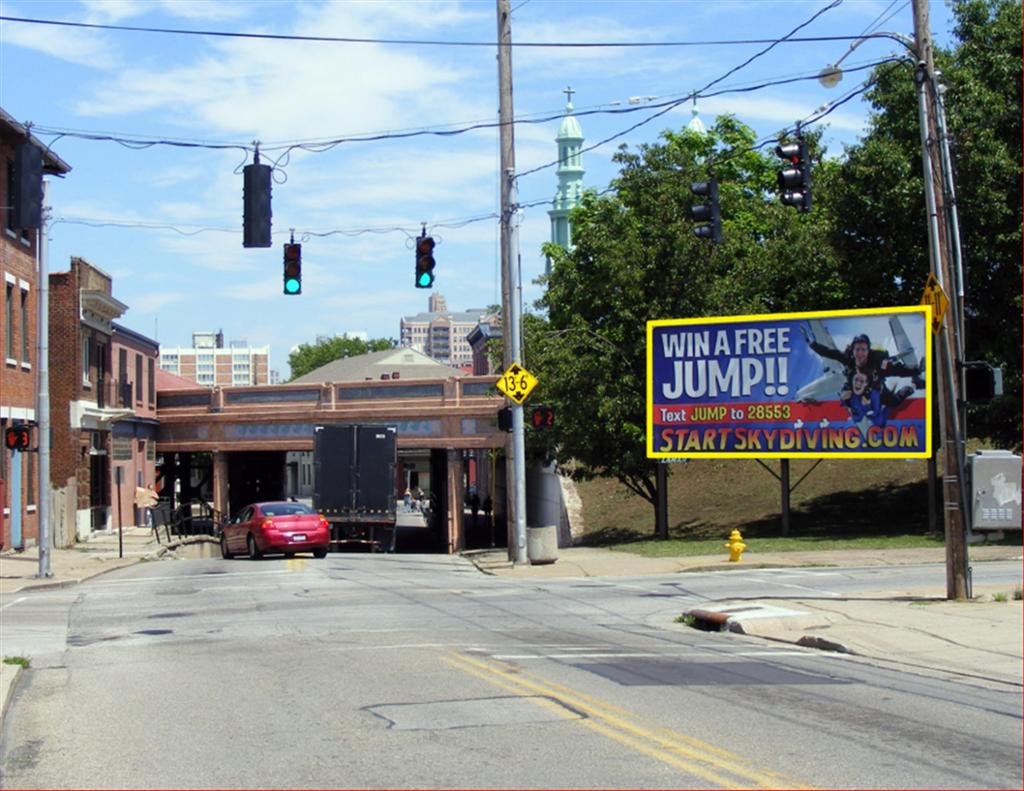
(542, 416)
(18, 438)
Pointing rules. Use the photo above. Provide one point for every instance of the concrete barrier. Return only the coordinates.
(542, 544)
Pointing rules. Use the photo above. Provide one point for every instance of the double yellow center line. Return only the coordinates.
(690, 755)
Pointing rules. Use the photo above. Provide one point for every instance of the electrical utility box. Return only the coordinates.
(995, 483)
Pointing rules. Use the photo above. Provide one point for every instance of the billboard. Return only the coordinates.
(845, 383)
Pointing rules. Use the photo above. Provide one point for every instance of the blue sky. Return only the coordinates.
(218, 90)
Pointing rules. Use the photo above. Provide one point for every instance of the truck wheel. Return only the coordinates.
(254, 551)
(224, 551)
(320, 552)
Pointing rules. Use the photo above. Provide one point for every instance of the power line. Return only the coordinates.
(430, 42)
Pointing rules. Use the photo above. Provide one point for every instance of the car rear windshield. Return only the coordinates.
(286, 509)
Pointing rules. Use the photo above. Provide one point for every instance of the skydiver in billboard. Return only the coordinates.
(864, 403)
(875, 364)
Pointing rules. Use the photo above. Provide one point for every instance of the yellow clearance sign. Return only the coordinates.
(517, 383)
(934, 295)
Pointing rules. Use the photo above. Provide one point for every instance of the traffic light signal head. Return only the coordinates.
(27, 198)
(542, 417)
(256, 206)
(795, 177)
(424, 262)
(18, 438)
(505, 419)
(708, 213)
(293, 268)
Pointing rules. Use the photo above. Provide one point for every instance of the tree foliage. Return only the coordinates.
(310, 356)
(635, 259)
(880, 233)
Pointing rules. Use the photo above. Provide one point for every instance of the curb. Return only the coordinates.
(9, 684)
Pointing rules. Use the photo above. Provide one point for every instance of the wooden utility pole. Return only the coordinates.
(944, 361)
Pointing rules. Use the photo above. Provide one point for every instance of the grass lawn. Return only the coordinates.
(685, 547)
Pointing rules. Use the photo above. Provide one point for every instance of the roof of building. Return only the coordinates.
(407, 363)
(569, 129)
(165, 380)
(461, 316)
(138, 337)
(52, 163)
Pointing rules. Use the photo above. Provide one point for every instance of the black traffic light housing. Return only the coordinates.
(542, 416)
(795, 177)
(18, 437)
(709, 213)
(505, 419)
(982, 382)
(256, 210)
(27, 197)
(425, 261)
(292, 269)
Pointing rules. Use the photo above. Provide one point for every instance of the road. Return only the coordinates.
(409, 671)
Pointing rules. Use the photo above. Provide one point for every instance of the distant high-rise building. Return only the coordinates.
(208, 363)
(441, 334)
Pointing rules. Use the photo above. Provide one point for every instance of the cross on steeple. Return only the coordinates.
(568, 93)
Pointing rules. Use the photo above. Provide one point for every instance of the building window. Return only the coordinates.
(138, 378)
(10, 196)
(24, 327)
(152, 381)
(9, 305)
(86, 361)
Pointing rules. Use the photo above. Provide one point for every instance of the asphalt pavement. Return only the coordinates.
(917, 628)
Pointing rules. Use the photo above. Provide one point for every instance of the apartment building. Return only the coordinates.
(19, 315)
(442, 334)
(207, 362)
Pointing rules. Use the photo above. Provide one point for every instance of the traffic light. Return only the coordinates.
(542, 417)
(256, 206)
(982, 382)
(18, 438)
(709, 213)
(27, 197)
(505, 419)
(795, 177)
(424, 262)
(292, 268)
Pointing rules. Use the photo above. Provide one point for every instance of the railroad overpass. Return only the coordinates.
(444, 426)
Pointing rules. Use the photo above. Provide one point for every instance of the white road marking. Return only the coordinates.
(12, 603)
(208, 577)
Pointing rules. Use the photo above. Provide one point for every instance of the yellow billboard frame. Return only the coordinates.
(925, 310)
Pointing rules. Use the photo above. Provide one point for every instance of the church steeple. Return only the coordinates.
(570, 175)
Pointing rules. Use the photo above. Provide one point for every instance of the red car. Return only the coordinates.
(275, 527)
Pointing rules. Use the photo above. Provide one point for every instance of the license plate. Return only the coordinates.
(298, 537)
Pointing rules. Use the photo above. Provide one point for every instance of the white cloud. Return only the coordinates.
(84, 47)
(155, 301)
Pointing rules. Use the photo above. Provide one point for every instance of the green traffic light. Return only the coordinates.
(426, 280)
(292, 286)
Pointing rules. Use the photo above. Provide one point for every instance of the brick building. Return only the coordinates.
(85, 400)
(19, 316)
(133, 437)
(208, 363)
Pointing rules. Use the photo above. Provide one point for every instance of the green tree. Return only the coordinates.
(310, 356)
(635, 259)
(882, 239)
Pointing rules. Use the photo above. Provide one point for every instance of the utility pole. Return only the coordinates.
(954, 490)
(511, 295)
(43, 393)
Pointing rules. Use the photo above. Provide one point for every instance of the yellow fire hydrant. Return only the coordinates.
(735, 546)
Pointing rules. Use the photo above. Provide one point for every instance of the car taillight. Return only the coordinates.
(324, 523)
(268, 523)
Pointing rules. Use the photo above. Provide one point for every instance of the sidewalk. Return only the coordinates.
(918, 629)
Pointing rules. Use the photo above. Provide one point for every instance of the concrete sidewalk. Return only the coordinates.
(919, 629)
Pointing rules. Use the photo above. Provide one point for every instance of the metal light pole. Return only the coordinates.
(43, 392)
(931, 119)
(511, 292)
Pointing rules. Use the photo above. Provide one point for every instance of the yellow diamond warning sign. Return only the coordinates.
(936, 297)
(517, 383)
